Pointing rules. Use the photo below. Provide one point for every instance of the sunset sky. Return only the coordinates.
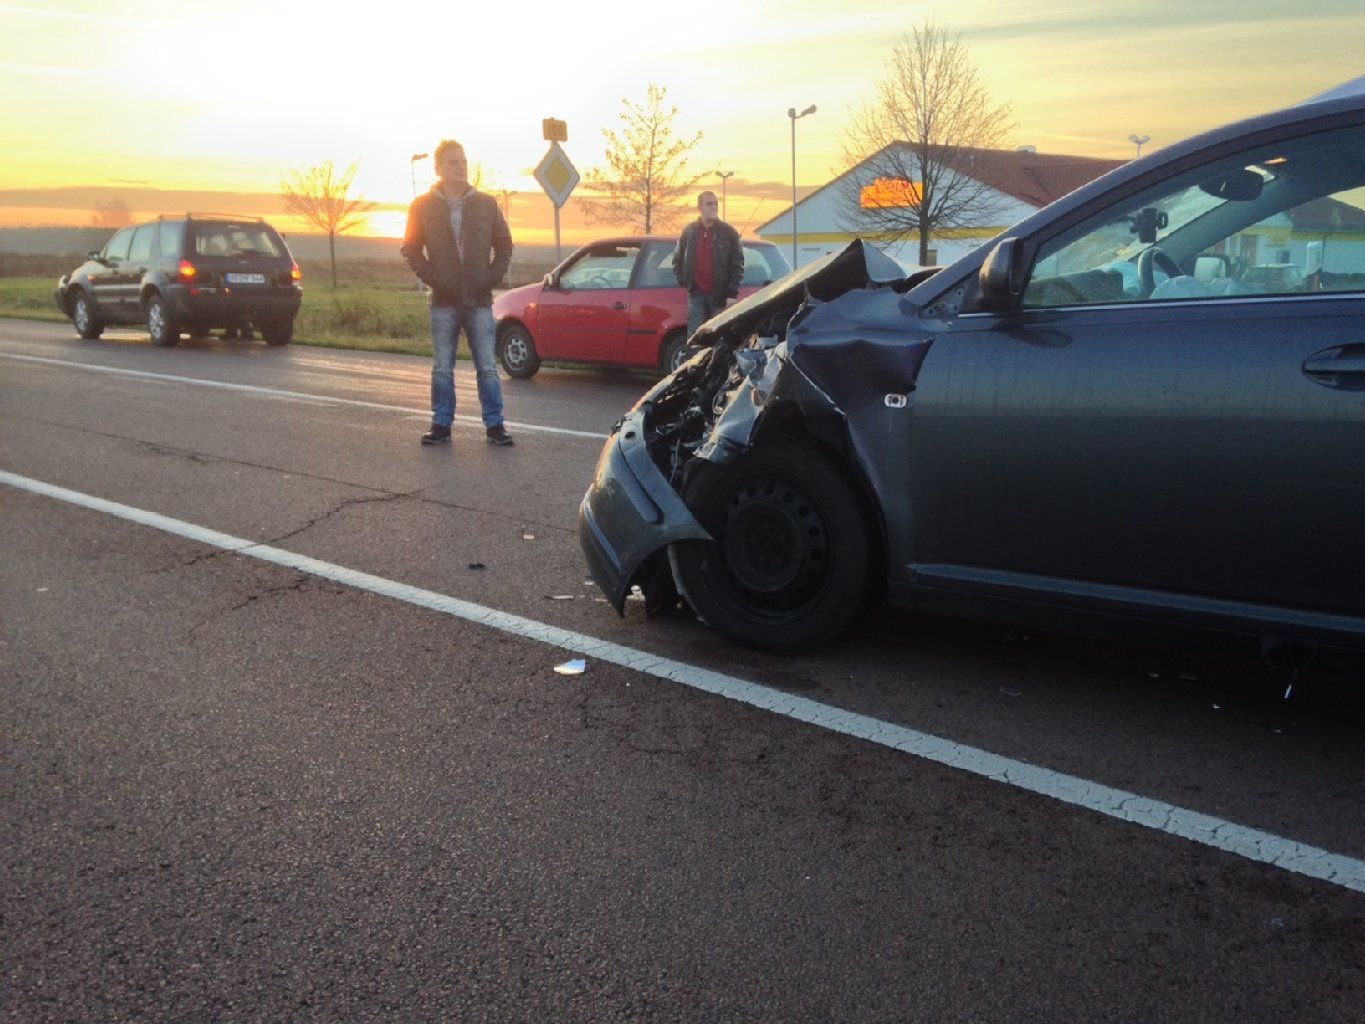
(208, 105)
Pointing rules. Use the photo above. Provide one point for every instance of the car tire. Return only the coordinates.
(160, 324)
(674, 352)
(517, 352)
(278, 332)
(791, 564)
(87, 322)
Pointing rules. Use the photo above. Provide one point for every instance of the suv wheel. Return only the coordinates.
(88, 323)
(278, 332)
(164, 330)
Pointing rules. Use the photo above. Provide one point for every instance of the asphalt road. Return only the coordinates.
(240, 789)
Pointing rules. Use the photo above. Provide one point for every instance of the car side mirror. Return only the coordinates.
(1001, 277)
(95, 254)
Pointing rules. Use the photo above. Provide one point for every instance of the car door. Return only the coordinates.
(106, 283)
(1171, 439)
(134, 268)
(658, 305)
(585, 310)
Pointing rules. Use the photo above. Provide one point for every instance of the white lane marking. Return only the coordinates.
(282, 393)
(1253, 844)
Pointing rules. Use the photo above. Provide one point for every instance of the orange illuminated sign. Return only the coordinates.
(886, 193)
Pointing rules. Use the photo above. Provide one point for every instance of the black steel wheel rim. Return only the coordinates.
(774, 546)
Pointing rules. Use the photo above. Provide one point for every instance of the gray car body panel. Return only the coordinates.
(856, 337)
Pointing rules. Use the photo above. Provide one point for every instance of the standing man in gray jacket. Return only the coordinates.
(458, 244)
(708, 262)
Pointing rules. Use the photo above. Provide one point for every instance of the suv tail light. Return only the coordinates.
(295, 274)
(187, 272)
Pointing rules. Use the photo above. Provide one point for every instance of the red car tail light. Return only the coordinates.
(187, 272)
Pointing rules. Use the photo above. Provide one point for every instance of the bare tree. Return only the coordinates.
(112, 213)
(912, 147)
(646, 176)
(321, 197)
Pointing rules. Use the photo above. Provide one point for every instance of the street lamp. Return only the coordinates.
(412, 164)
(1138, 140)
(791, 112)
(724, 177)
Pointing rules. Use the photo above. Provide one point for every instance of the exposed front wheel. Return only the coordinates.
(792, 561)
(160, 325)
(517, 352)
(88, 323)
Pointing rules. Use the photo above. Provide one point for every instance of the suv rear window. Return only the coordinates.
(223, 239)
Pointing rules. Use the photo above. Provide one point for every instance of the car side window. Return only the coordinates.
(172, 239)
(117, 249)
(657, 268)
(140, 251)
(756, 269)
(602, 269)
(1285, 220)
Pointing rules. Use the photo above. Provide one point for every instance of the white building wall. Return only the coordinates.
(821, 225)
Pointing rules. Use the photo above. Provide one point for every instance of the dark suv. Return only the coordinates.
(187, 274)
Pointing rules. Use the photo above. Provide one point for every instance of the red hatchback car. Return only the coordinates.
(615, 301)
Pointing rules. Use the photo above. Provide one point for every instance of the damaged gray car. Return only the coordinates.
(1109, 413)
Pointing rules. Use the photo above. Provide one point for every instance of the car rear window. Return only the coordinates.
(226, 239)
(764, 264)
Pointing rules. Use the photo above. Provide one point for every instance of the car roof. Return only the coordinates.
(671, 239)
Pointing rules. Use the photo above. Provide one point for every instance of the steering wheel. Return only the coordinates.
(1148, 261)
(601, 281)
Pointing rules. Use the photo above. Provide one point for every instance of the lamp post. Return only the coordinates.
(1138, 140)
(724, 177)
(791, 113)
(412, 166)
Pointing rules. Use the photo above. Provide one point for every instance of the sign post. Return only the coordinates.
(555, 172)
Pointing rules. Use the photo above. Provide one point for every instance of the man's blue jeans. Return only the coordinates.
(446, 324)
(700, 308)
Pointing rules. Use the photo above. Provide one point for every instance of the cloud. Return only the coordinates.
(36, 12)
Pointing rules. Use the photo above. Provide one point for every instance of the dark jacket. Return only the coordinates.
(727, 259)
(429, 247)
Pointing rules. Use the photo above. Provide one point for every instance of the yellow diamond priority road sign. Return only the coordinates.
(557, 176)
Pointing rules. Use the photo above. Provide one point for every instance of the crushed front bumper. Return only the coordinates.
(630, 513)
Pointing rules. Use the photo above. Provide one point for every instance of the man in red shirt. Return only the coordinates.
(708, 262)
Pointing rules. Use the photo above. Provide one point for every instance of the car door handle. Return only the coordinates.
(618, 305)
(1342, 366)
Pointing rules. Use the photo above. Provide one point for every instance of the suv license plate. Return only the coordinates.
(245, 278)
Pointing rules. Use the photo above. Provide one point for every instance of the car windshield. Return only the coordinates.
(1277, 220)
(224, 239)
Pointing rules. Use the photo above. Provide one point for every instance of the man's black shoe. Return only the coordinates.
(436, 435)
(498, 435)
